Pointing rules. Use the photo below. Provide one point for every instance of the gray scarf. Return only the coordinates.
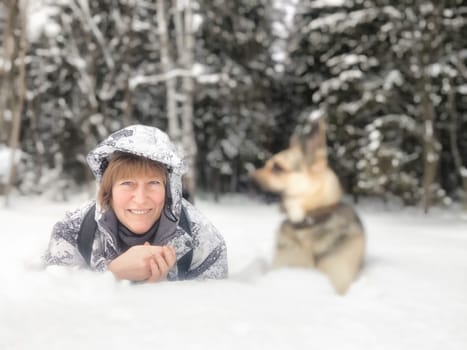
(127, 239)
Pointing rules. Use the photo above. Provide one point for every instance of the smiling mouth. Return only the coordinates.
(139, 212)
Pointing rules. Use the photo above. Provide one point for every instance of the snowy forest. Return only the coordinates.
(231, 80)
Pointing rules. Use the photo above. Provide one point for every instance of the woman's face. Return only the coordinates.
(138, 201)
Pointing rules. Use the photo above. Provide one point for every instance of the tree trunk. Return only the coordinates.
(179, 103)
(6, 68)
(185, 46)
(431, 149)
(128, 116)
(167, 65)
(18, 100)
(456, 155)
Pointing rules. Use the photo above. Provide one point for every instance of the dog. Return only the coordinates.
(320, 230)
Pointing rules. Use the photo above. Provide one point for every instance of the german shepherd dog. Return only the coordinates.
(320, 230)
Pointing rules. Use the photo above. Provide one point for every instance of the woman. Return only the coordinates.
(139, 228)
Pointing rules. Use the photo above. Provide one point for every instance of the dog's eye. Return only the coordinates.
(276, 168)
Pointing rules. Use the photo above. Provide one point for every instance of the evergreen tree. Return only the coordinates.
(374, 70)
(388, 77)
(235, 112)
(83, 82)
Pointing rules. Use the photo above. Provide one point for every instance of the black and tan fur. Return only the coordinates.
(320, 231)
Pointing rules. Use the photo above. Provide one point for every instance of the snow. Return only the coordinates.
(394, 78)
(410, 294)
(342, 21)
(462, 89)
(39, 20)
(326, 3)
(5, 160)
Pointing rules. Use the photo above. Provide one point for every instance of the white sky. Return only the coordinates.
(412, 292)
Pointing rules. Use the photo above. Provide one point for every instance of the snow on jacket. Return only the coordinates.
(209, 259)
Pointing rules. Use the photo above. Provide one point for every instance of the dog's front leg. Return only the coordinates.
(290, 250)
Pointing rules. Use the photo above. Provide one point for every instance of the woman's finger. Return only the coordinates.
(169, 255)
(155, 272)
(162, 264)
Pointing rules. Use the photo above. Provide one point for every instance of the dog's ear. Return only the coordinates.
(311, 138)
(315, 135)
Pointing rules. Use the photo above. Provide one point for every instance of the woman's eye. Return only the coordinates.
(126, 183)
(155, 182)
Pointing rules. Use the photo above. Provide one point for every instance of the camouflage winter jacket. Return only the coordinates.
(207, 246)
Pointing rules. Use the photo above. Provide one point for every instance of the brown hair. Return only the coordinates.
(124, 165)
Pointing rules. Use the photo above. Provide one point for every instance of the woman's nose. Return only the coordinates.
(139, 195)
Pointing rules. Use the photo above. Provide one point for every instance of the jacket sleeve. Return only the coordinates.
(209, 251)
(216, 264)
(63, 249)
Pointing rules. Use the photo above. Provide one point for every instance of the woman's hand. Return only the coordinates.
(144, 262)
(161, 263)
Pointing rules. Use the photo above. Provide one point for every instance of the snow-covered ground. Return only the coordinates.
(412, 293)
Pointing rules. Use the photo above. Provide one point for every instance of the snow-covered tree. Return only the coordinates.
(235, 109)
(79, 80)
(228, 81)
(379, 71)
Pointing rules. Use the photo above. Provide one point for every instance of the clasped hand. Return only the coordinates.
(146, 262)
